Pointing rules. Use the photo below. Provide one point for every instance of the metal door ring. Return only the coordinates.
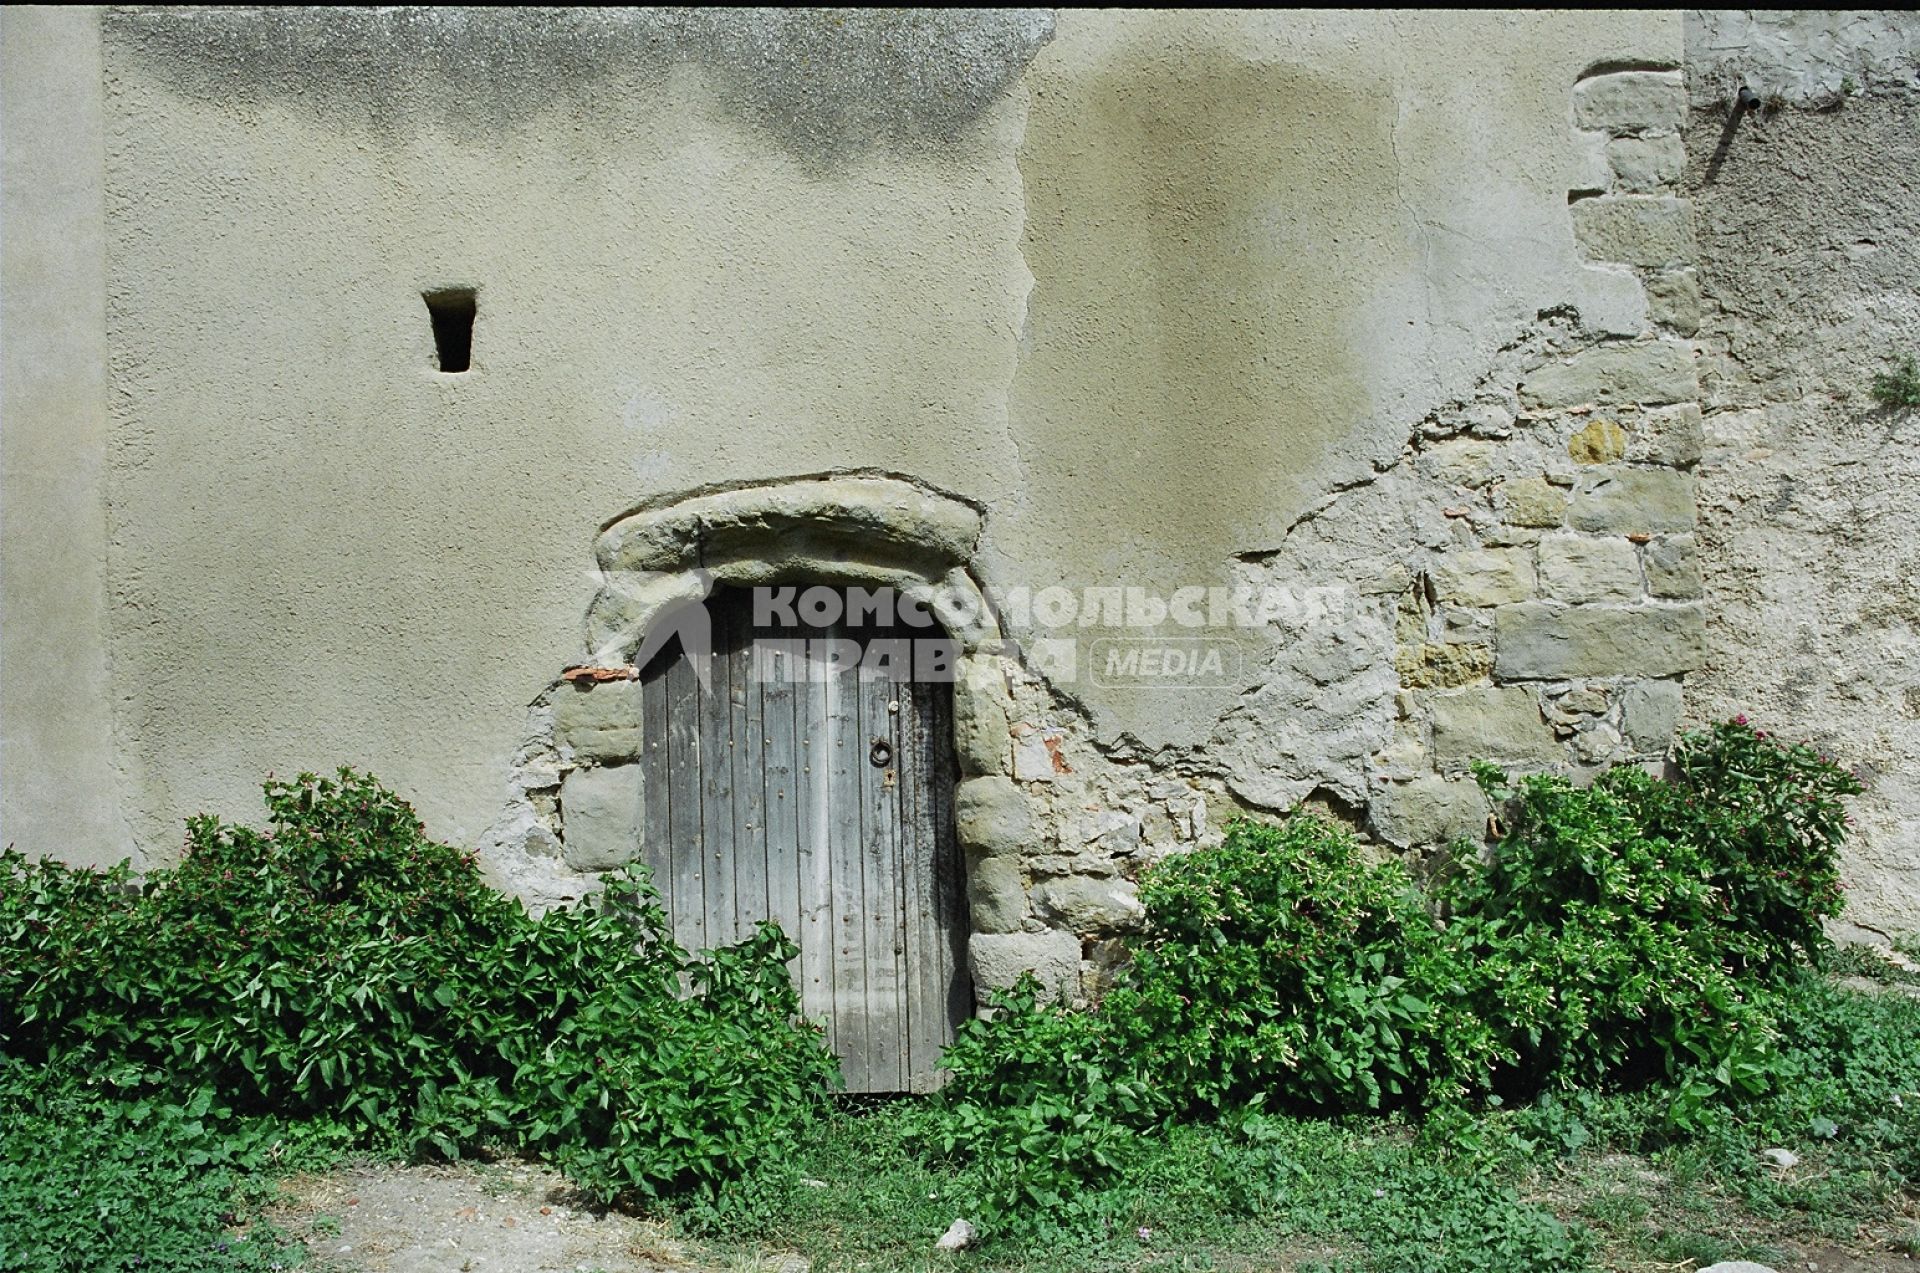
(882, 753)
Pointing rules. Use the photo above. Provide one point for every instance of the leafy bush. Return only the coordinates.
(1767, 820)
(342, 966)
(1282, 966)
(1041, 1103)
(1594, 949)
(90, 1184)
(1633, 928)
(1277, 969)
(1629, 931)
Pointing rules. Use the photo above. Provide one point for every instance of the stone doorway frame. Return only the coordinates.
(856, 530)
(859, 529)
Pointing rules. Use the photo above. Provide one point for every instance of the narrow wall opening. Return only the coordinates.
(452, 311)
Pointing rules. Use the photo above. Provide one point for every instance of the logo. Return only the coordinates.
(1187, 638)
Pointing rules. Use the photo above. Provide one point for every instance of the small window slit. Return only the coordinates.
(452, 311)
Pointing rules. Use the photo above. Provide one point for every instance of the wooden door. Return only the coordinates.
(820, 797)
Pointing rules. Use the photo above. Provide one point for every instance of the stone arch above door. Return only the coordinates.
(855, 529)
(868, 530)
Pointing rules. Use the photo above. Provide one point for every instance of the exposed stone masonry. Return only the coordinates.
(1520, 586)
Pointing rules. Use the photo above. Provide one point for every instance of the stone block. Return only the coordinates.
(1090, 904)
(1104, 830)
(1432, 665)
(1497, 723)
(1461, 462)
(1599, 744)
(1405, 756)
(600, 815)
(996, 894)
(795, 524)
(1533, 502)
(1653, 372)
(1378, 576)
(1587, 164)
(1649, 714)
(1618, 500)
(598, 723)
(1673, 298)
(993, 816)
(1428, 810)
(1465, 627)
(1651, 231)
(998, 959)
(1573, 568)
(1646, 165)
(980, 734)
(1483, 577)
(1668, 435)
(1036, 751)
(1600, 441)
(1673, 568)
(1545, 641)
(1588, 700)
(1631, 102)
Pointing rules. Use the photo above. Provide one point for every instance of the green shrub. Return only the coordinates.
(1282, 966)
(1594, 945)
(1633, 928)
(90, 1184)
(1041, 1103)
(1622, 933)
(342, 966)
(1767, 820)
(1278, 969)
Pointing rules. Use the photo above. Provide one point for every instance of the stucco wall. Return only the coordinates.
(1154, 290)
(59, 791)
(1810, 273)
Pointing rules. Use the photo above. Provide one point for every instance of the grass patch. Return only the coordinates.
(1362, 1194)
(1570, 1181)
(91, 1182)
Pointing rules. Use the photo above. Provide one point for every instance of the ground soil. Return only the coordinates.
(505, 1217)
(517, 1217)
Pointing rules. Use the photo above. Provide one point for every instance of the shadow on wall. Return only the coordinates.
(825, 84)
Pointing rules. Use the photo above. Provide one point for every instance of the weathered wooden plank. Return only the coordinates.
(749, 785)
(814, 860)
(656, 830)
(884, 913)
(716, 786)
(846, 758)
(684, 712)
(780, 737)
(927, 1026)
